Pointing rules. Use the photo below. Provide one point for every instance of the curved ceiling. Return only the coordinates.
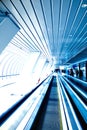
(56, 28)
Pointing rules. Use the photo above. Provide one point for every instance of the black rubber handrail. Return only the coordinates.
(76, 107)
(83, 98)
(82, 84)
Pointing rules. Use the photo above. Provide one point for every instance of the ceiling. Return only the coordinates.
(55, 28)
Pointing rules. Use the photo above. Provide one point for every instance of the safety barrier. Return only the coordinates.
(24, 111)
(73, 108)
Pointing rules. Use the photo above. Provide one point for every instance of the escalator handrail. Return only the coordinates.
(12, 109)
(81, 82)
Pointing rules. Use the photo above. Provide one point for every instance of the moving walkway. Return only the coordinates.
(74, 102)
(58, 102)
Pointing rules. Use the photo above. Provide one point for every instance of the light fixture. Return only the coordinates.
(70, 35)
(84, 5)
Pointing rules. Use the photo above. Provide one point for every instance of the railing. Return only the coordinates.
(80, 87)
(29, 103)
(81, 84)
(74, 109)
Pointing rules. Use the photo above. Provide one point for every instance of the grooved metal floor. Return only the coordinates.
(49, 115)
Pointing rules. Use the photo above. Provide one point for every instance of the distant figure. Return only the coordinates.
(80, 74)
(38, 80)
(77, 72)
(71, 72)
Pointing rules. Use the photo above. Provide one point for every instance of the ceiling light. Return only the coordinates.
(84, 5)
(70, 35)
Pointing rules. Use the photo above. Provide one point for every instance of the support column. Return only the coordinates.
(79, 70)
(86, 69)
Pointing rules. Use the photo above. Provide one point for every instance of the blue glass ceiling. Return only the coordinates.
(56, 28)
